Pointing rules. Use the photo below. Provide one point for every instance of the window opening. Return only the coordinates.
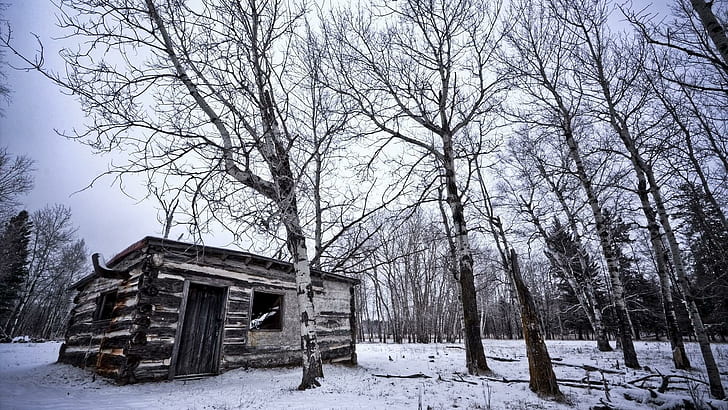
(105, 305)
(266, 311)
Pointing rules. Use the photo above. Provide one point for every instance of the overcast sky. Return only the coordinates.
(108, 220)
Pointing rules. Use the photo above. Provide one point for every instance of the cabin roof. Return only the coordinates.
(194, 250)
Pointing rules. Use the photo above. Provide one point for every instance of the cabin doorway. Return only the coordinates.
(199, 342)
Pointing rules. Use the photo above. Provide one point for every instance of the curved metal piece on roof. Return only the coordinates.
(106, 272)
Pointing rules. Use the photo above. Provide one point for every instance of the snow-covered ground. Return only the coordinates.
(29, 379)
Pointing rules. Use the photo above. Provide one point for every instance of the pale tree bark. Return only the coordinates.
(621, 128)
(716, 386)
(312, 367)
(716, 31)
(607, 246)
(679, 357)
(543, 64)
(585, 291)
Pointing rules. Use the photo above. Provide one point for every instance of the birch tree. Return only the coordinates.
(200, 90)
(538, 69)
(528, 152)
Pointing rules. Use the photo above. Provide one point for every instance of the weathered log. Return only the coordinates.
(589, 368)
(104, 271)
(409, 376)
(502, 359)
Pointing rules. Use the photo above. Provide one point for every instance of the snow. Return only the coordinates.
(29, 379)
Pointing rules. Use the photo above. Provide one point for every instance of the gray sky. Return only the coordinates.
(107, 219)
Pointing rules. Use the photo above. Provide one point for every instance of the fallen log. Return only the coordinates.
(664, 381)
(502, 359)
(581, 384)
(589, 368)
(408, 376)
(497, 359)
(459, 379)
(503, 380)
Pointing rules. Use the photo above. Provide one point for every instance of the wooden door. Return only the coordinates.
(199, 342)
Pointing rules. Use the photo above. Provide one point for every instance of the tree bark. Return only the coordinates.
(715, 30)
(716, 386)
(475, 355)
(605, 241)
(312, 367)
(542, 379)
(585, 294)
(679, 357)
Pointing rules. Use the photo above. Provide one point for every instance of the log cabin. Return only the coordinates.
(164, 309)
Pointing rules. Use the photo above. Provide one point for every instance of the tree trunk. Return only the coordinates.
(312, 367)
(679, 357)
(716, 386)
(475, 355)
(542, 379)
(463, 269)
(605, 241)
(585, 294)
(715, 30)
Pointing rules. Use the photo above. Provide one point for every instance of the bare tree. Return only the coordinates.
(542, 377)
(538, 69)
(16, 179)
(201, 91)
(52, 231)
(418, 71)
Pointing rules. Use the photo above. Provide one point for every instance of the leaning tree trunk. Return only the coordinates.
(475, 355)
(542, 379)
(679, 357)
(605, 241)
(585, 295)
(716, 386)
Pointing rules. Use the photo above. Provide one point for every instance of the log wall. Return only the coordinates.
(100, 344)
(138, 342)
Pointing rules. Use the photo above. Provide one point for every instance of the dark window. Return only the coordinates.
(266, 311)
(105, 305)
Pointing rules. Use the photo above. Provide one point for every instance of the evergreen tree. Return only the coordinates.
(707, 238)
(13, 264)
(567, 252)
(642, 294)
